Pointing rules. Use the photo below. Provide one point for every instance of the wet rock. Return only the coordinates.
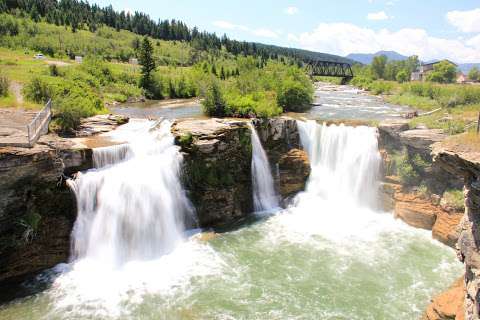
(294, 170)
(448, 305)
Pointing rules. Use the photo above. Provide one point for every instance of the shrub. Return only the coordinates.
(68, 111)
(4, 85)
(454, 199)
(406, 169)
(38, 90)
(294, 96)
(8, 25)
(402, 76)
(53, 70)
(214, 102)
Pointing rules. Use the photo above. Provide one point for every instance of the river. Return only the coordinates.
(329, 255)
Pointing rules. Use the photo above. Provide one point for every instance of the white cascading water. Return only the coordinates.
(133, 207)
(345, 161)
(339, 201)
(264, 196)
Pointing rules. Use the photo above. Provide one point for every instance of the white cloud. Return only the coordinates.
(381, 15)
(345, 38)
(228, 25)
(260, 32)
(465, 21)
(266, 33)
(291, 10)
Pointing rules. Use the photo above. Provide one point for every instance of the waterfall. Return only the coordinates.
(345, 162)
(264, 195)
(133, 206)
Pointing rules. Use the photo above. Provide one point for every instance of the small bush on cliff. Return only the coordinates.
(405, 169)
(454, 199)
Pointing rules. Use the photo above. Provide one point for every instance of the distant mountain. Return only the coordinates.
(367, 58)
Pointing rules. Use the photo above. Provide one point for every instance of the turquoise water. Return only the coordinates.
(282, 267)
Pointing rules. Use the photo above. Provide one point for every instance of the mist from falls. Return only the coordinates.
(264, 196)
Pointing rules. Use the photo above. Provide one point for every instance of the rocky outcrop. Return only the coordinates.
(217, 164)
(281, 141)
(448, 305)
(217, 168)
(463, 159)
(37, 210)
(99, 124)
(278, 135)
(421, 139)
(415, 210)
(294, 170)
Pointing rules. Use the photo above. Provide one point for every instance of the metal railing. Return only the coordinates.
(39, 124)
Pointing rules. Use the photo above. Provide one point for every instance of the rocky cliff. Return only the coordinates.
(217, 168)
(217, 164)
(462, 158)
(37, 210)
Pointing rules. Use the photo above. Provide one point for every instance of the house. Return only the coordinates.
(422, 71)
(78, 59)
(461, 78)
(133, 61)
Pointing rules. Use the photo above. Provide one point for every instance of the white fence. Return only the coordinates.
(39, 124)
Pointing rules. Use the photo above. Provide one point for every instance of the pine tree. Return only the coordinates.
(222, 74)
(214, 70)
(145, 56)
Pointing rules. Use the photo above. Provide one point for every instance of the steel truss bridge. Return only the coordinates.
(330, 69)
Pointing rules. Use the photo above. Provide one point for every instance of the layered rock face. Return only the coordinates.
(217, 168)
(417, 208)
(37, 210)
(466, 163)
(294, 170)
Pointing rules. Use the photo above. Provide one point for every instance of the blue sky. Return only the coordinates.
(433, 29)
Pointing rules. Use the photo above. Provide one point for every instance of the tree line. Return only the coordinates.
(79, 14)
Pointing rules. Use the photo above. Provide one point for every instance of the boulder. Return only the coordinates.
(448, 305)
(294, 170)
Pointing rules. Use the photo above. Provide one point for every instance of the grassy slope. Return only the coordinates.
(458, 114)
